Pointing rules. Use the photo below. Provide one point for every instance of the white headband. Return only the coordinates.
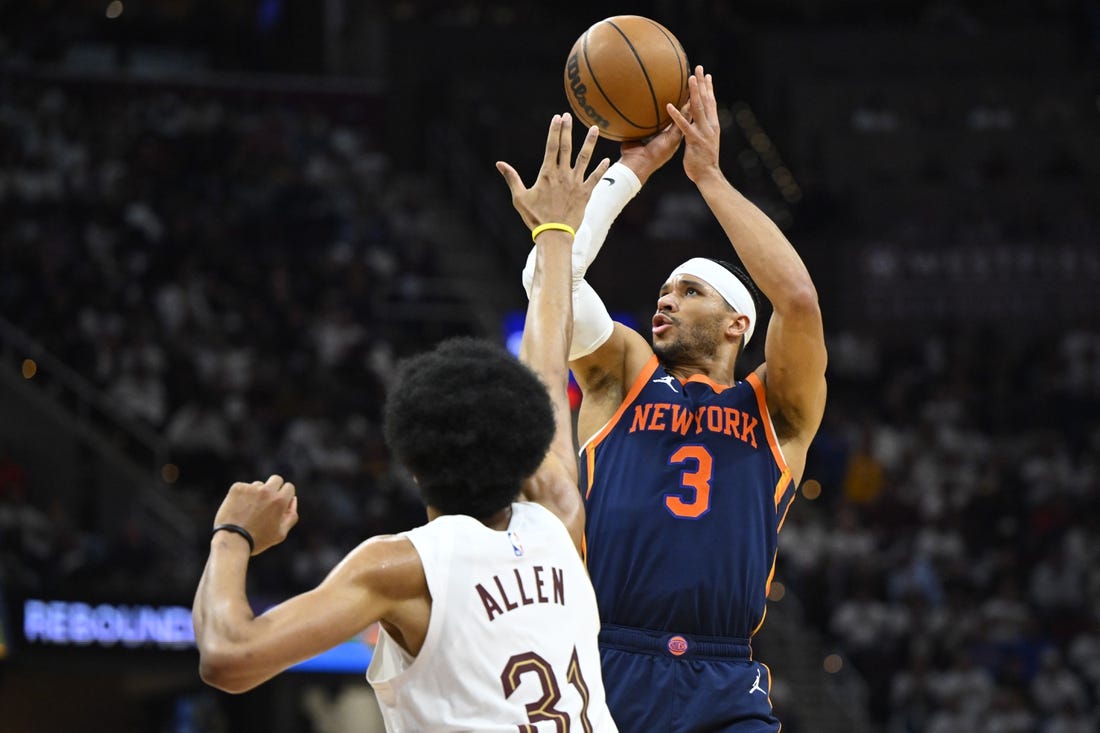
(732, 290)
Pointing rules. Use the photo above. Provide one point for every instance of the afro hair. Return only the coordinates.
(471, 422)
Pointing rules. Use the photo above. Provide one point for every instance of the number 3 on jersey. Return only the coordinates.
(695, 479)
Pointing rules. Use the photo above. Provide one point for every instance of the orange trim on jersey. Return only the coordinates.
(769, 695)
(635, 389)
(779, 491)
(704, 379)
(590, 464)
(771, 577)
(584, 550)
(765, 416)
(759, 625)
(781, 487)
(767, 592)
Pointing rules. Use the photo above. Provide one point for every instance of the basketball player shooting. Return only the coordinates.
(688, 474)
(488, 617)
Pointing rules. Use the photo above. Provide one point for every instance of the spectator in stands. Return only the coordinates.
(1055, 688)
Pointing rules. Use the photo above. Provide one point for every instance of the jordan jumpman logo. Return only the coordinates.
(668, 381)
(756, 685)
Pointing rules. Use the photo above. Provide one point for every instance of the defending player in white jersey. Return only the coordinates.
(489, 620)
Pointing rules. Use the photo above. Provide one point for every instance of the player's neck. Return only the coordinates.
(719, 374)
(500, 520)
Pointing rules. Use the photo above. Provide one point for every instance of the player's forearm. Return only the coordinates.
(591, 323)
(548, 329)
(547, 334)
(610, 196)
(618, 186)
(222, 615)
(768, 256)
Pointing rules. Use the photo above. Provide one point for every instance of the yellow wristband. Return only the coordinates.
(552, 225)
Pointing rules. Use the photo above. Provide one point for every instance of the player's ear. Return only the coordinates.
(737, 326)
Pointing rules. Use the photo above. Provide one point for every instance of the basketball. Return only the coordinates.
(622, 72)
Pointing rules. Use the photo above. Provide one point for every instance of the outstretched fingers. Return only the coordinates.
(553, 142)
(562, 185)
(701, 105)
(565, 140)
(596, 174)
(695, 93)
(584, 155)
(705, 87)
(511, 177)
(680, 119)
(701, 100)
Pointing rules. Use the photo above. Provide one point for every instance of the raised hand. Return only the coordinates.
(702, 131)
(560, 192)
(644, 157)
(266, 509)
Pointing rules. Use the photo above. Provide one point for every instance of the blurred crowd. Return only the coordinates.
(240, 271)
(230, 269)
(954, 556)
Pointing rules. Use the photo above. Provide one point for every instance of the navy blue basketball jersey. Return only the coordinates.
(686, 490)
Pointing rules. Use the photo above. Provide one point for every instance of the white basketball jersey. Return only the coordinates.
(511, 642)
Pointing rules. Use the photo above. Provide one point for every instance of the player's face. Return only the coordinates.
(690, 321)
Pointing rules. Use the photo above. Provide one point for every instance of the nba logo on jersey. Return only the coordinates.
(517, 546)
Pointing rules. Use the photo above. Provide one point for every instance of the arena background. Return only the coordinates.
(221, 223)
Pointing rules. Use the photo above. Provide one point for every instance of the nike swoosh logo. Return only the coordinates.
(610, 181)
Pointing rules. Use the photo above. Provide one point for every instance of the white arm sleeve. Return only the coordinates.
(592, 324)
(611, 195)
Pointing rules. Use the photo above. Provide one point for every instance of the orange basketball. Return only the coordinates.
(622, 72)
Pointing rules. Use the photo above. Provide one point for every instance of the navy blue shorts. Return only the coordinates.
(657, 682)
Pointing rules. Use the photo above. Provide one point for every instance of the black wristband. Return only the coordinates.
(236, 528)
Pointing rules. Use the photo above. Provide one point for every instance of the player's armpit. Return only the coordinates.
(614, 365)
(606, 374)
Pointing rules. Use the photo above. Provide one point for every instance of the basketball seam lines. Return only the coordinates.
(596, 81)
(680, 54)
